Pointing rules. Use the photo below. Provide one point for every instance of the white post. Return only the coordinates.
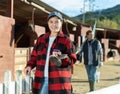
(18, 82)
(83, 40)
(12, 87)
(27, 80)
(1, 88)
(23, 85)
(7, 80)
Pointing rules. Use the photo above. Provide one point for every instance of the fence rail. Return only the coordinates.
(19, 86)
(115, 89)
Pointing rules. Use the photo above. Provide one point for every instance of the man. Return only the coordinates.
(92, 51)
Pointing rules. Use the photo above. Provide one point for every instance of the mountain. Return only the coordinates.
(112, 14)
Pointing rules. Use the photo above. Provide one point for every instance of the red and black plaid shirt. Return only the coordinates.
(59, 77)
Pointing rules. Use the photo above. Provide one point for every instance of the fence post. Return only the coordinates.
(12, 87)
(18, 86)
(1, 88)
(28, 84)
(7, 80)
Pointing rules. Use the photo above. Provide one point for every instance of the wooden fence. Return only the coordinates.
(19, 86)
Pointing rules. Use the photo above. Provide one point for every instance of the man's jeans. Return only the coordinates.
(44, 89)
(91, 72)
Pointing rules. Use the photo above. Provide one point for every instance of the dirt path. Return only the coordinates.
(109, 75)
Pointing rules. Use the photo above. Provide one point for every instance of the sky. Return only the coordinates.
(75, 7)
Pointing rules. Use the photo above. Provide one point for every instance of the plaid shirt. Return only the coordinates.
(59, 77)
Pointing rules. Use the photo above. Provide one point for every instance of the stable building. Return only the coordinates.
(22, 21)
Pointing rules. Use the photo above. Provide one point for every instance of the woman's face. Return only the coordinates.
(54, 24)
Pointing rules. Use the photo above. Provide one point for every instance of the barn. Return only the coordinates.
(22, 21)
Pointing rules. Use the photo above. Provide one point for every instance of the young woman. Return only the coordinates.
(50, 78)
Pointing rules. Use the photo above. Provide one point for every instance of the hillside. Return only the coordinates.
(111, 14)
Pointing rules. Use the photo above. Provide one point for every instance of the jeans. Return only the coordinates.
(91, 72)
(44, 89)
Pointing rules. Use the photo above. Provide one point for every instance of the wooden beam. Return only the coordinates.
(9, 12)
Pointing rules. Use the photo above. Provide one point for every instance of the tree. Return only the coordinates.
(106, 23)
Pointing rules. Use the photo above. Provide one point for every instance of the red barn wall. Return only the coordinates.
(6, 46)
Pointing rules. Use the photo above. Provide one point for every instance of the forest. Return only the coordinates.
(107, 18)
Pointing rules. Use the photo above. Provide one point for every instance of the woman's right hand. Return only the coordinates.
(56, 52)
(27, 70)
